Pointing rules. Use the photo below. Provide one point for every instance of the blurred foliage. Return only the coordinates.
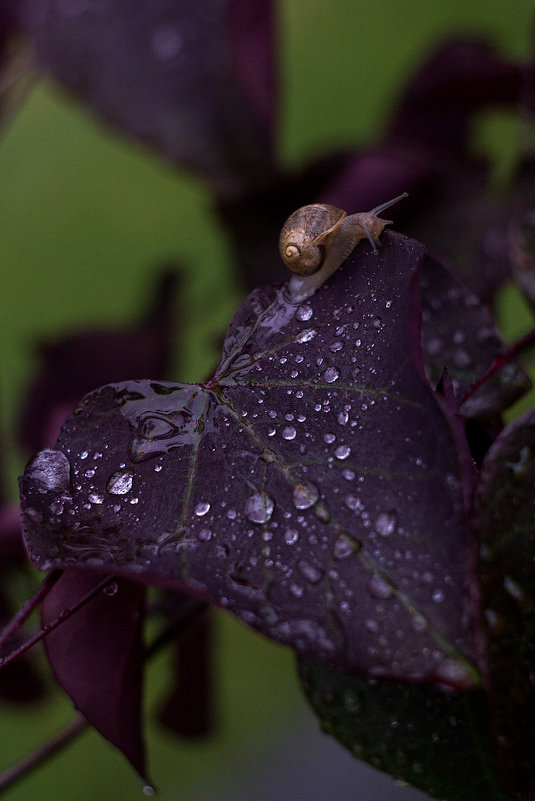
(85, 218)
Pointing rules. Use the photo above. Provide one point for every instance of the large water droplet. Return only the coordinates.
(385, 523)
(305, 494)
(202, 508)
(342, 452)
(291, 535)
(259, 507)
(289, 433)
(51, 469)
(304, 313)
(120, 482)
(346, 546)
(331, 374)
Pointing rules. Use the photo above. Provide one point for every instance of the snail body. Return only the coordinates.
(315, 240)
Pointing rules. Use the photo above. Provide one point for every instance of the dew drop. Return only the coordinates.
(291, 535)
(202, 508)
(51, 469)
(342, 452)
(304, 313)
(95, 497)
(305, 494)
(349, 475)
(345, 546)
(120, 482)
(343, 418)
(354, 503)
(289, 433)
(329, 438)
(296, 590)
(336, 346)
(438, 596)
(385, 523)
(379, 588)
(331, 374)
(306, 335)
(259, 507)
(204, 534)
(309, 571)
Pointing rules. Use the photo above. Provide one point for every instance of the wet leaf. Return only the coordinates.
(504, 518)
(433, 738)
(313, 486)
(97, 656)
(169, 73)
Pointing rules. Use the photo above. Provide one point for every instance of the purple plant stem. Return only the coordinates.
(506, 357)
(28, 607)
(40, 754)
(64, 615)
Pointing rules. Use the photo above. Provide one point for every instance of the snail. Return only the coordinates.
(316, 239)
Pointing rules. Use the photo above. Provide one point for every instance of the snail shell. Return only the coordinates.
(305, 234)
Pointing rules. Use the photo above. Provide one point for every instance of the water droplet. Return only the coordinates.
(296, 590)
(306, 335)
(349, 475)
(111, 589)
(204, 534)
(354, 503)
(309, 571)
(438, 596)
(291, 535)
(304, 313)
(51, 469)
(289, 433)
(331, 374)
(336, 346)
(231, 514)
(329, 438)
(305, 494)
(379, 588)
(385, 523)
(120, 482)
(202, 508)
(84, 454)
(342, 452)
(95, 497)
(166, 43)
(259, 507)
(343, 418)
(346, 546)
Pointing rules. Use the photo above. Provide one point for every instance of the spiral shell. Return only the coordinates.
(304, 235)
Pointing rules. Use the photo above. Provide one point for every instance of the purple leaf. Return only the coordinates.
(163, 72)
(459, 335)
(505, 511)
(97, 656)
(313, 486)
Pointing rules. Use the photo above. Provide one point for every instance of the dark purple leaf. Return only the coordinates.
(459, 335)
(77, 364)
(188, 708)
(97, 656)
(313, 486)
(432, 738)
(504, 517)
(161, 71)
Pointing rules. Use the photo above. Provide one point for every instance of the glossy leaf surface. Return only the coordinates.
(313, 486)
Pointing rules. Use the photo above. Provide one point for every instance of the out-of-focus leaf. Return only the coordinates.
(504, 519)
(76, 364)
(163, 72)
(433, 738)
(97, 656)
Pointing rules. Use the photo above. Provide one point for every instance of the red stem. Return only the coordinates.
(499, 363)
(63, 615)
(28, 607)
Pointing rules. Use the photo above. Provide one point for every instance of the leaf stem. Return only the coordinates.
(496, 365)
(36, 757)
(28, 607)
(60, 618)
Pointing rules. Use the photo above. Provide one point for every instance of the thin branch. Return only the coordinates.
(185, 614)
(506, 357)
(28, 607)
(63, 615)
(39, 755)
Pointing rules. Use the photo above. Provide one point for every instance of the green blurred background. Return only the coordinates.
(86, 218)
